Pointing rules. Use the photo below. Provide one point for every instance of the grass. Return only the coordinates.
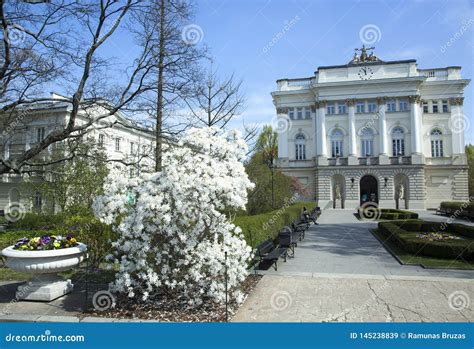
(428, 262)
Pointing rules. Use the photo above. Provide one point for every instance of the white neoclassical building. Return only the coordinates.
(122, 142)
(378, 131)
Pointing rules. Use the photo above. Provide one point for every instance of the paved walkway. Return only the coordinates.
(342, 244)
(358, 299)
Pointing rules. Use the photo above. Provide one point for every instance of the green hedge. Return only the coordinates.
(259, 228)
(393, 214)
(403, 234)
(458, 208)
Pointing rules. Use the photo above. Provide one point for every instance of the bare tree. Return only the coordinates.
(61, 42)
(162, 29)
(215, 101)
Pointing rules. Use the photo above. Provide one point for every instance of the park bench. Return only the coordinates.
(267, 251)
(289, 239)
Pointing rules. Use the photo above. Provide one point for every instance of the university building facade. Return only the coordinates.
(375, 131)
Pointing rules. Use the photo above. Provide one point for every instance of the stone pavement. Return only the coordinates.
(342, 244)
(358, 299)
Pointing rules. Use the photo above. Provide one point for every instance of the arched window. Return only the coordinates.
(300, 147)
(337, 143)
(436, 143)
(398, 142)
(367, 138)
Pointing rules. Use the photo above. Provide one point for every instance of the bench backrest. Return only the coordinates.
(265, 247)
(285, 238)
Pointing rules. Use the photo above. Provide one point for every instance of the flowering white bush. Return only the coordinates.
(174, 234)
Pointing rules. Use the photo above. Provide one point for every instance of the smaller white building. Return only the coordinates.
(123, 142)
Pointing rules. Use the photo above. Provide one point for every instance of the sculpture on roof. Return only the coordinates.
(364, 56)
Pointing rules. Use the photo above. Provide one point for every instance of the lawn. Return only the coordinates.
(428, 262)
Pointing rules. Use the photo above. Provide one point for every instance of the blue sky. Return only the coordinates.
(325, 33)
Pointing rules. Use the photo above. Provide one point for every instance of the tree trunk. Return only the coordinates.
(159, 103)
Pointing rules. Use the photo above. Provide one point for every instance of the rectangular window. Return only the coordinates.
(299, 113)
(425, 107)
(291, 113)
(132, 148)
(117, 144)
(300, 152)
(6, 150)
(360, 108)
(391, 106)
(37, 201)
(307, 112)
(437, 148)
(336, 149)
(398, 147)
(367, 145)
(435, 107)
(331, 109)
(372, 107)
(40, 132)
(403, 105)
(342, 108)
(445, 106)
(101, 140)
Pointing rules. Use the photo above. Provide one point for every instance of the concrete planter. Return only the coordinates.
(46, 285)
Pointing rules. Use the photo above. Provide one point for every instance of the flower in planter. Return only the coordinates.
(45, 242)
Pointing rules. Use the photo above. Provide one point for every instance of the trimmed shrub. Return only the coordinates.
(401, 234)
(259, 228)
(459, 208)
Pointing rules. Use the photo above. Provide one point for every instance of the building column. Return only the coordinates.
(352, 158)
(383, 153)
(321, 133)
(283, 124)
(315, 131)
(416, 130)
(456, 127)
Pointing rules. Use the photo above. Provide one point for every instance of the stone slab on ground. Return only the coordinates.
(339, 299)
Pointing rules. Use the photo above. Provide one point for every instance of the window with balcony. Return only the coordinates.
(367, 138)
(445, 106)
(341, 108)
(391, 106)
(398, 142)
(337, 138)
(436, 143)
(300, 145)
(299, 113)
(360, 107)
(331, 109)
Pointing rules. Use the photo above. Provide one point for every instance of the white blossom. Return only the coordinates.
(174, 235)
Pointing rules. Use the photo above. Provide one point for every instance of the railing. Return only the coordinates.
(368, 161)
(400, 160)
(299, 82)
(433, 73)
(337, 161)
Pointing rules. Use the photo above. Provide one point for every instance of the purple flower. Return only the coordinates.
(45, 240)
(22, 241)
